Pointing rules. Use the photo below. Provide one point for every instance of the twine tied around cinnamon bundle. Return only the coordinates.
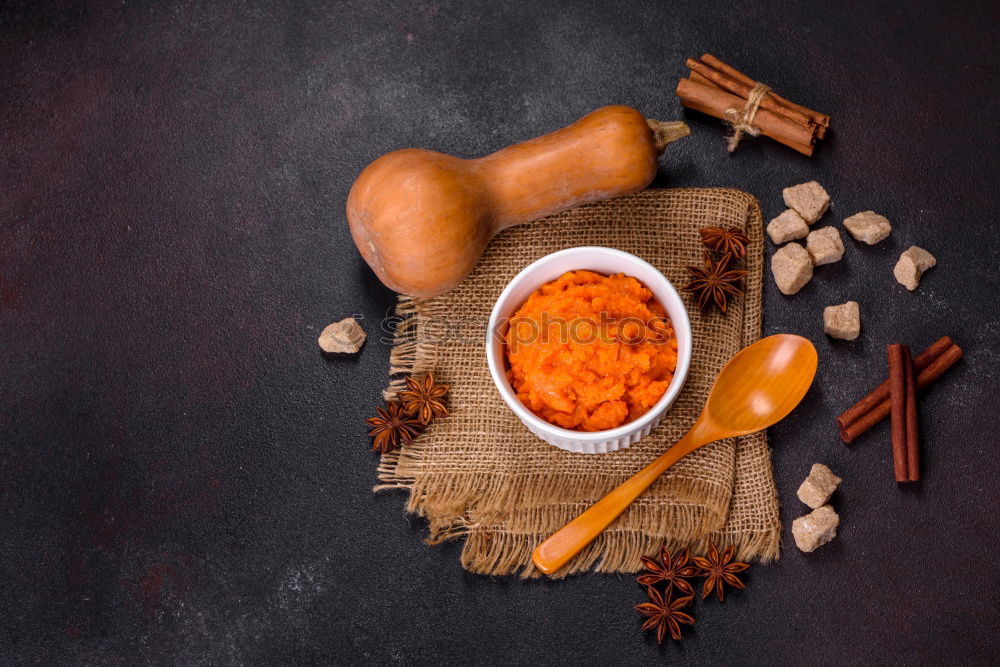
(742, 120)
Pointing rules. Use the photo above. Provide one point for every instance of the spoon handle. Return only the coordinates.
(569, 540)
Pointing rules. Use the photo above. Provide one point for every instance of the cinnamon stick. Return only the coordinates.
(715, 101)
(819, 118)
(928, 376)
(897, 400)
(912, 425)
(741, 88)
(881, 392)
(698, 78)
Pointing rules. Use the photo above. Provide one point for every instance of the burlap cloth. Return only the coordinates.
(481, 475)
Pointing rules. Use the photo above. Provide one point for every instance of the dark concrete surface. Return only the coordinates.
(184, 479)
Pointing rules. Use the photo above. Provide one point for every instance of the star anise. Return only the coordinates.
(720, 570)
(675, 572)
(664, 614)
(715, 282)
(424, 399)
(392, 428)
(731, 240)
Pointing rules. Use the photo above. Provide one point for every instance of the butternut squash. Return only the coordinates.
(421, 219)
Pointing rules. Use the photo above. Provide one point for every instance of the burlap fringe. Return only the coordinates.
(614, 551)
(409, 355)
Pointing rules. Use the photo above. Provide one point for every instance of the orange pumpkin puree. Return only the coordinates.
(591, 352)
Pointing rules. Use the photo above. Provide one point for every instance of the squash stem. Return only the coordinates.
(665, 132)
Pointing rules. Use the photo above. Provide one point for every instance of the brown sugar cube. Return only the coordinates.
(868, 226)
(843, 321)
(825, 245)
(810, 200)
(343, 337)
(787, 227)
(792, 268)
(911, 266)
(815, 529)
(818, 486)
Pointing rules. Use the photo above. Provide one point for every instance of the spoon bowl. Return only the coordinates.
(756, 389)
(761, 385)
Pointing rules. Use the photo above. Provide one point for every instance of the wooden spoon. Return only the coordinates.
(756, 389)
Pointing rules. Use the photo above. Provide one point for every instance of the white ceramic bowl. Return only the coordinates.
(606, 261)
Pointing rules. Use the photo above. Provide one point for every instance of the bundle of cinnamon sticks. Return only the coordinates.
(719, 90)
(898, 396)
